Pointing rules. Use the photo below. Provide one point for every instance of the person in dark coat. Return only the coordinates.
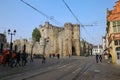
(7, 59)
(100, 58)
(109, 58)
(43, 59)
(97, 58)
(24, 58)
(17, 59)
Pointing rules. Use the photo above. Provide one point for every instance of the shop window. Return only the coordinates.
(116, 42)
(118, 52)
(118, 55)
(118, 49)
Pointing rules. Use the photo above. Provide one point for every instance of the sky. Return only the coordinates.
(14, 14)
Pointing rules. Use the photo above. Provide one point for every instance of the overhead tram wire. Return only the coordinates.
(77, 18)
(52, 19)
(71, 11)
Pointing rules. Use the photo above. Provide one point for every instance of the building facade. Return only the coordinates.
(3, 42)
(105, 44)
(60, 40)
(54, 40)
(97, 49)
(113, 32)
(86, 48)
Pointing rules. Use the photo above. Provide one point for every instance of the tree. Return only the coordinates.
(36, 35)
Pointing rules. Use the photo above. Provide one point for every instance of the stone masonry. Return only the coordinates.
(54, 40)
(65, 41)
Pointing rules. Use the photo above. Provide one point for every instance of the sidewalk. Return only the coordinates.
(106, 71)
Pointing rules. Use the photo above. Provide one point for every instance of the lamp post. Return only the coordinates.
(11, 34)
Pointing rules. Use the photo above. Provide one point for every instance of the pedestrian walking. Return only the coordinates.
(6, 59)
(17, 59)
(100, 58)
(12, 59)
(43, 59)
(109, 58)
(24, 58)
(97, 58)
(31, 57)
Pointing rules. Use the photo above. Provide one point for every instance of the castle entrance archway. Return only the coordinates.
(73, 51)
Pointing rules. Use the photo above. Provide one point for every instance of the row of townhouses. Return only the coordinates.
(111, 41)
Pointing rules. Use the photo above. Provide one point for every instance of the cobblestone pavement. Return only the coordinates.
(96, 71)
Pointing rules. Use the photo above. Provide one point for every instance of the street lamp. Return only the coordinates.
(11, 33)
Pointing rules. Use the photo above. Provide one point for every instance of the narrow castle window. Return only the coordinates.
(72, 32)
(42, 30)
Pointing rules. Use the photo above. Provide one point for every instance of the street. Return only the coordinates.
(74, 68)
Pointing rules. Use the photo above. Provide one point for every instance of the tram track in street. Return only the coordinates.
(26, 70)
(51, 70)
(82, 71)
(76, 70)
(72, 69)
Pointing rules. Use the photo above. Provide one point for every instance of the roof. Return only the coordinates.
(114, 15)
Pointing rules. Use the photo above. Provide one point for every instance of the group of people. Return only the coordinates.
(53, 55)
(13, 59)
(98, 58)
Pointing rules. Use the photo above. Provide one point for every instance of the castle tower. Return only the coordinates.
(68, 38)
(64, 41)
(76, 40)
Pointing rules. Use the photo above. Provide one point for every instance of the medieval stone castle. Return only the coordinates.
(54, 40)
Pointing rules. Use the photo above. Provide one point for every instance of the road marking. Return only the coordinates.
(50, 67)
(69, 67)
(58, 65)
(61, 67)
(97, 71)
(76, 70)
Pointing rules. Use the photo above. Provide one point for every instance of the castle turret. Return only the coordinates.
(47, 24)
(76, 39)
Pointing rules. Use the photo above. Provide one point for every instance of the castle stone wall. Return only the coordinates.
(54, 40)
